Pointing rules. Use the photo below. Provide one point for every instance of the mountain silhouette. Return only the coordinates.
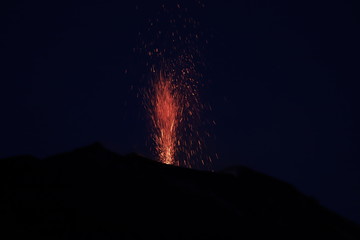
(93, 193)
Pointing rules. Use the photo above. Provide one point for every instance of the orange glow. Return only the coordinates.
(172, 44)
(174, 108)
(165, 115)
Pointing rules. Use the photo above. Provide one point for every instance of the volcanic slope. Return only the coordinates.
(93, 193)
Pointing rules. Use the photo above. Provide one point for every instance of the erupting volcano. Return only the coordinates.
(174, 108)
(172, 99)
(165, 113)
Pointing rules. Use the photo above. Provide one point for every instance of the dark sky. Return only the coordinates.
(282, 78)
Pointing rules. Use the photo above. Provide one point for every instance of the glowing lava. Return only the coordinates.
(174, 109)
(172, 44)
(165, 114)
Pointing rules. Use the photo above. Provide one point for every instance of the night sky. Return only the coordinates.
(282, 78)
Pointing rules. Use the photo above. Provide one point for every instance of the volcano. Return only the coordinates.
(93, 193)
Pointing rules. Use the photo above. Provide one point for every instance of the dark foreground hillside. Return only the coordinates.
(92, 193)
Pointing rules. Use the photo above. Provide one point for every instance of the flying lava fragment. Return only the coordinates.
(165, 112)
(172, 99)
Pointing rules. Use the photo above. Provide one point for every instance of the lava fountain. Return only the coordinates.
(165, 114)
(172, 44)
(174, 109)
